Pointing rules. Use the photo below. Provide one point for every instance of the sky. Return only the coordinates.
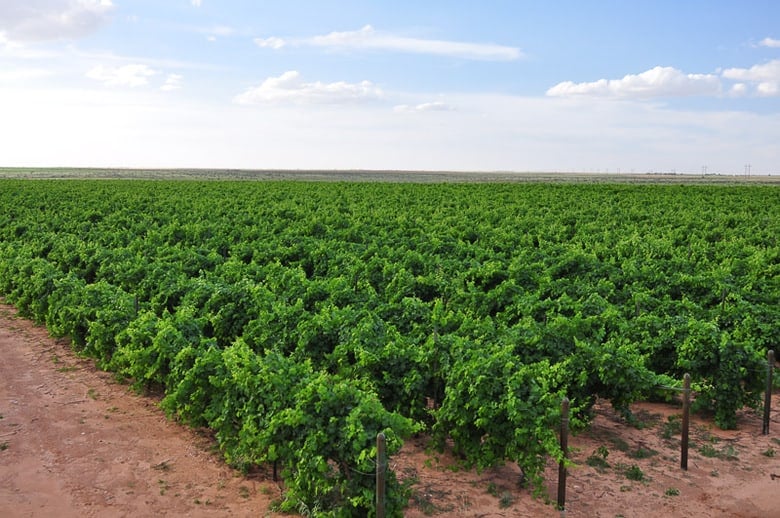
(614, 86)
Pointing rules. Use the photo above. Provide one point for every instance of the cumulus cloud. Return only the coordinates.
(768, 88)
(762, 80)
(656, 82)
(738, 90)
(128, 75)
(368, 38)
(289, 88)
(770, 42)
(435, 106)
(42, 20)
(769, 71)
(766, 77)
(270, 43)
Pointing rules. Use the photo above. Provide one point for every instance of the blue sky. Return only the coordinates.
(617, 86)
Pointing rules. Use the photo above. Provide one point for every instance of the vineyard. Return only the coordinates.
(297, 320)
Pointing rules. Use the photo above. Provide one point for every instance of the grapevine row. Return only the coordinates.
(298, 320)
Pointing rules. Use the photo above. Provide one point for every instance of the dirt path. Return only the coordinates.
(74, 443)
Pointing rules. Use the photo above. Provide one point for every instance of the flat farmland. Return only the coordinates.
(381, 176)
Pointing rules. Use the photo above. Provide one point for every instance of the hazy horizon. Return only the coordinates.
(497, 86)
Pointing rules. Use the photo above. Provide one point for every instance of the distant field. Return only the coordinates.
(374, 176)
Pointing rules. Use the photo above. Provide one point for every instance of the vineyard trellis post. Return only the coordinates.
(770, 367)
(685, 421)
(381, 468)
(564, 448)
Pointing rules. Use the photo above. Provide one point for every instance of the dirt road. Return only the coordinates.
(75, 443)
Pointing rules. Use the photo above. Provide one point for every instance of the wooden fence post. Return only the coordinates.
(381, 468)
(685, 421)
(564, 449)
(770, 367)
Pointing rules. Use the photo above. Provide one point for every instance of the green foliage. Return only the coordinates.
(296, 320)
(635, 473)
(326, 443)
(708, 450)
(729, 373)
(672, 427)
(191, 394)
(615, 370)
(147, 347)
(497, 409)
(92, 315)
(642, 453)
(598, 459)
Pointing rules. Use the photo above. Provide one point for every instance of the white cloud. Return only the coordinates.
(656, 82)
(768, 89)
(368, 38)
(172, 82)
(739, 90)
(41, 20)
(435, 106)
(272, 43)
(127, 75)
(290, 88)
(770, 42)
(769, 71)
(765, 76)
(196, 3)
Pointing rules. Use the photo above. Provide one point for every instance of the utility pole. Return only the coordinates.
(704, 170)
(747, 170)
